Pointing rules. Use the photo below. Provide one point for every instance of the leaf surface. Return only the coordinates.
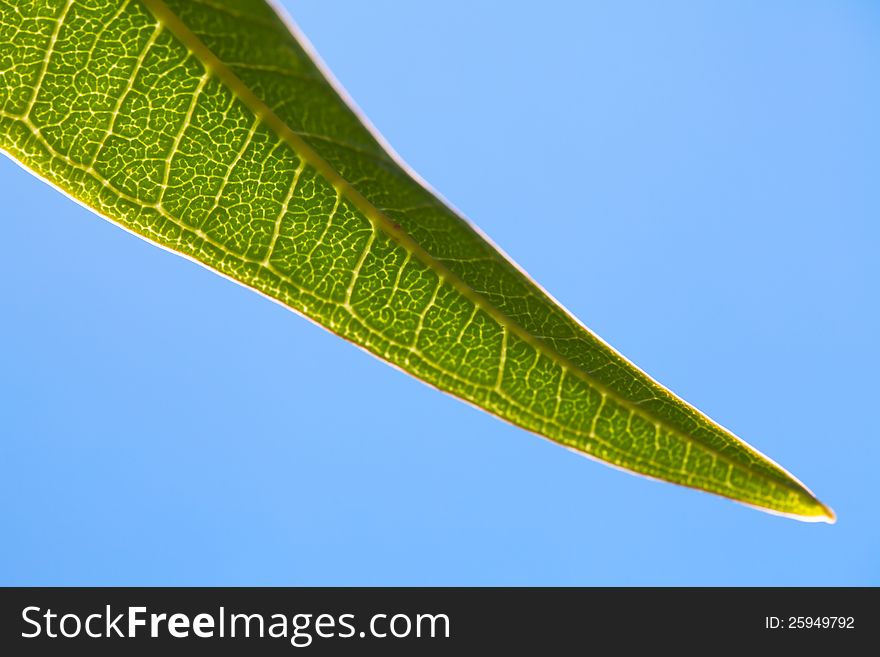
(207, 127)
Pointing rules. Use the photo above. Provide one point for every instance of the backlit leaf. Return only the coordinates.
(207, 127)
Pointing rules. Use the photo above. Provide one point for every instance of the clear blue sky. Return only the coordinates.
(698, 182)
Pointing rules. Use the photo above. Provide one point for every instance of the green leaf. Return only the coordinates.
(207, 127)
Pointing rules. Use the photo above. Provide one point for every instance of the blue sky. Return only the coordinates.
(696, 181)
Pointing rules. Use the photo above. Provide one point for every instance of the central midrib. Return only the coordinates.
(265, 114)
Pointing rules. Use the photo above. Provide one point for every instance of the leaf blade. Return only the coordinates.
(288, 193)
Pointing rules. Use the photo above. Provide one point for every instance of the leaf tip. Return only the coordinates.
(818, 512)
(828, 514)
